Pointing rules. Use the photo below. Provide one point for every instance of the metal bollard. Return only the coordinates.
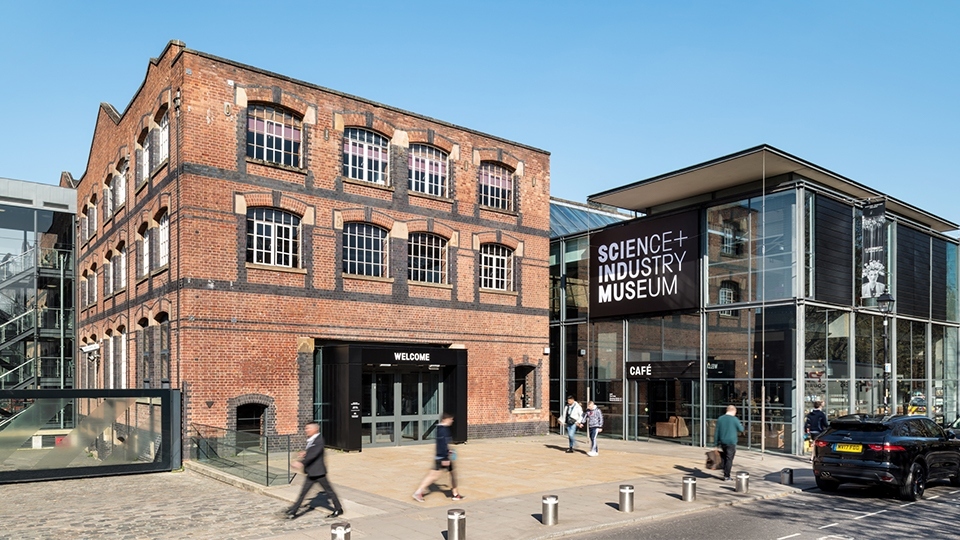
(456, 524)
(626, 498)
(551, 508)
(743, 482)
(786, 477)
(340, 530)
(689, 488)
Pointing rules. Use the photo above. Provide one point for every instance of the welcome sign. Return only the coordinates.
(645, 266)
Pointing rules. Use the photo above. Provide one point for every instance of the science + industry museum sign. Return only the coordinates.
(646, 265)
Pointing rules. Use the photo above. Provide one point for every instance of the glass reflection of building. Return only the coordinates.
(36, 286)
(780, 325)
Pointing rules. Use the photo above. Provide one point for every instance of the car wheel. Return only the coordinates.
(827, 485)
(914, 484)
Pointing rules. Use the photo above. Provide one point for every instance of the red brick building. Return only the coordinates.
(283, 252)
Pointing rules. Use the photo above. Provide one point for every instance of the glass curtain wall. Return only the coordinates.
(911, 360)
(871, 385)
(943, 341)
(670, 344)
(750, 364)
(605, 376)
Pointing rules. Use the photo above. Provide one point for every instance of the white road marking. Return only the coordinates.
(868, 515)
(908, 504)
(934, 497)
(830, 525)
(851, 511)
(952, 492)
(791, 536)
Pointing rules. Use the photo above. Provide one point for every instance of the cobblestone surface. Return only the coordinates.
(160, 505)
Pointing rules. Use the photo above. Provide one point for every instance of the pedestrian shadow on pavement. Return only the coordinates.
(563, 448)
(696, 472)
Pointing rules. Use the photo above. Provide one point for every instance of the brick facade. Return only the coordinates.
(241, 332)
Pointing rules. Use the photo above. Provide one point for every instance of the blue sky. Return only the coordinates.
(616, 91)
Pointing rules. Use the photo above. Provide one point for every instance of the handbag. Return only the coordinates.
(714, 461)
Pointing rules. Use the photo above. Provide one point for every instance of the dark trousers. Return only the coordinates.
(727, 451)
(308, 483)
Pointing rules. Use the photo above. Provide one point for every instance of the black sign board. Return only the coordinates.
(689, 369)
(874, 268)
(402, 355)
(647, 265)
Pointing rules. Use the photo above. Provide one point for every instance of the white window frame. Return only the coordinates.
(92, 287)
(119, 270)
(427, 170)
(144, 164)
(365, 250)
(108, 277)
(108, 198)
(496, 267)
(120, 186)
(91, 220)
(495, 186)
(366, 156)
(144, 261)
(726, 295)
(427, 258)
(163, 240)
(280, 138)
(274, 237)
(118, 349)
(163, 138)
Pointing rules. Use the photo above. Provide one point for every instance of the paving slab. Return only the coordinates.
(503, 481)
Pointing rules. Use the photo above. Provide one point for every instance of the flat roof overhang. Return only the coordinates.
(746, 166)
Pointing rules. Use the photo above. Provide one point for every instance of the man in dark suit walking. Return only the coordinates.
(311, 460)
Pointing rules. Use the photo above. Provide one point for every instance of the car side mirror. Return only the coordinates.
(951, 434)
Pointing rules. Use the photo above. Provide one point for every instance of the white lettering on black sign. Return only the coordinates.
(645, 266)
(411, 357)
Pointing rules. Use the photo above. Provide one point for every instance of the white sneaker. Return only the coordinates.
(592, 454)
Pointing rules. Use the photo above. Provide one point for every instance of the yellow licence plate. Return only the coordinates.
(853, 448)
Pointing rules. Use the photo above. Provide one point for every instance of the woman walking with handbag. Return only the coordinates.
(572, 418)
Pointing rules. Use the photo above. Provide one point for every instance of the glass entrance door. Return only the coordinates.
(400, 405)
(667, 409)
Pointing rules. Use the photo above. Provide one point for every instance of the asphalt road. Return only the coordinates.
(853, 513)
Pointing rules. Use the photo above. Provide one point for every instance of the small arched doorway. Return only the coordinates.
(250, 424)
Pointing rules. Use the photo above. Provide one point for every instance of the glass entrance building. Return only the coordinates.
(760, 280)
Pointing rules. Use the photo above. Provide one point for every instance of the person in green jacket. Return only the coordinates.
(728, 427)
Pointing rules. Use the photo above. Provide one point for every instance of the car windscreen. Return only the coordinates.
(864, 432)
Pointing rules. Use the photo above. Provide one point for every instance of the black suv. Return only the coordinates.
(898, 451)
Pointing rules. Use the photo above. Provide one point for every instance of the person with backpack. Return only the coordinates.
(816, 421)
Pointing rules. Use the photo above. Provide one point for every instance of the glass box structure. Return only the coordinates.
(791, 265)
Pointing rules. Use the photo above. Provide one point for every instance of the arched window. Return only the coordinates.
(144, 156)
(163, 137)
(108, 197)
(273, 237)
(496, 186)
(428, 170)
(365, 250)
(108, 280)
(119, 185)
(427, 258)
(273, 135)
(119, 271)
(143, 251)
(163, 239)
(366, 156)
(496, 267)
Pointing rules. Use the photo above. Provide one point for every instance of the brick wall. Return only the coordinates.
(238, 329)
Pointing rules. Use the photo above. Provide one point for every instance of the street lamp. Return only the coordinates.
(885, 303)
